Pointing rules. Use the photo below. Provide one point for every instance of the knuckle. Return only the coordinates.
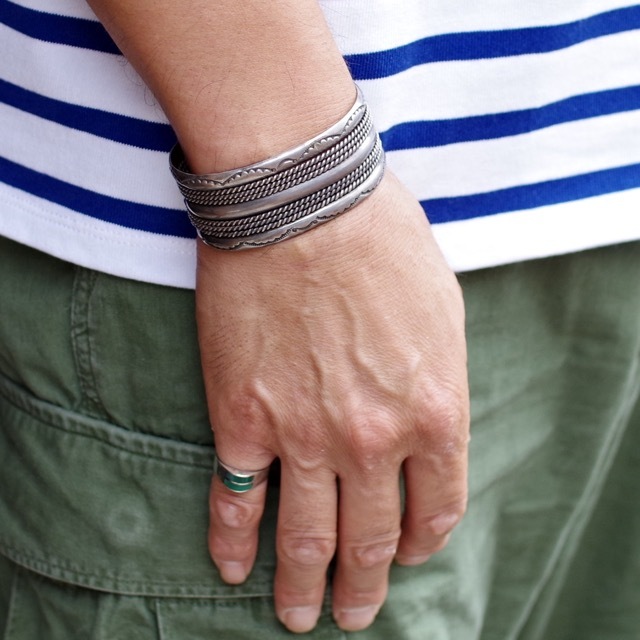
(305, 550)
(442, 523)
(240, 417)
(444, 420)
(449, 408)
(244, 406)
(233, 513)
(371, 436)
(305, 465)
(374, 555)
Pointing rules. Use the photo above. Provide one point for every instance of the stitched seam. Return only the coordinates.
(83, 284)
(162, 635)
(35, 564)
(149, 446)
(12, 602)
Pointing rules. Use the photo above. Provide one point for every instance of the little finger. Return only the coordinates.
(436, 496)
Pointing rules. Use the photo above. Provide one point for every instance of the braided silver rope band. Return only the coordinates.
(286, 176)
(270, 219)
(271, 200)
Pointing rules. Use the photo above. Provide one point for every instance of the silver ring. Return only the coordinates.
(237, 480)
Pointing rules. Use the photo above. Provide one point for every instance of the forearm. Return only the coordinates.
(239, 81)
(339, 351)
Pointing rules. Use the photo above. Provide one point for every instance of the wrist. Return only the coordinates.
(256, 122)
(276, 199)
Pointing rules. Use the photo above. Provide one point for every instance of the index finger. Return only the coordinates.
(236, 505)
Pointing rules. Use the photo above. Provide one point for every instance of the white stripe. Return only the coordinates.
(460, 89)
(121, 171)
(87, 161)
(536, 233)
(360, 26)
(71, 8)
(98, 80)
(96, 244)
(560, 151)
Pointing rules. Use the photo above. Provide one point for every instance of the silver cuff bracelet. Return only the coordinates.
(269, 201)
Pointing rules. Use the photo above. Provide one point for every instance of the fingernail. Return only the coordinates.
(411, 561)
(356, 618)
(232, 572)
(300, 619)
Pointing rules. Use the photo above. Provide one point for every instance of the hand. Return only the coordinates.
(341, 352)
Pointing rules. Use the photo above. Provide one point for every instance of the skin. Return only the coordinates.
(340, 351)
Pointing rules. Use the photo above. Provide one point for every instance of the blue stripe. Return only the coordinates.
(154, 136)
(75, 32)
(491, 44)
(127, 214)
(411, 135)
(435, 133)
(89, 34)
(439, 210)
(530, 196)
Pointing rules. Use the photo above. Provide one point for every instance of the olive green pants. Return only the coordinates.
(105, 463)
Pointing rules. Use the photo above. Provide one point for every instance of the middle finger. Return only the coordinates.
(306, 542)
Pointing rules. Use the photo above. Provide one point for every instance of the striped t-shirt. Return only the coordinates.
(516, 123)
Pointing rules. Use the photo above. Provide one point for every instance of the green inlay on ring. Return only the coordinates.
(238, 479)
(244, 485)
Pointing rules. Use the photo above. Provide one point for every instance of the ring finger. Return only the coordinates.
(369, 530)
